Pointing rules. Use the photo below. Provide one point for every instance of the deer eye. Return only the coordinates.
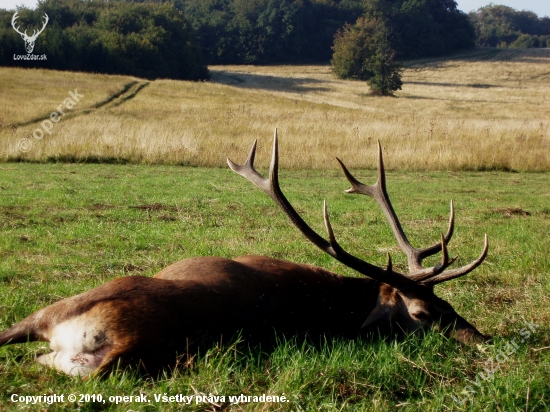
(421, 315)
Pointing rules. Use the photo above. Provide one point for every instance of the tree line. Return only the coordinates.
(277, 31)
(141, 39)
(502, 26)
(179, 38)
(268, 31)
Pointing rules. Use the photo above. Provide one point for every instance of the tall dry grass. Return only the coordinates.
(486, 109)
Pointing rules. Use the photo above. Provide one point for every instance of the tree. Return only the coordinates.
(363, 52)
(386, 76)
(268, 31)
(353, 46)
(152, 40)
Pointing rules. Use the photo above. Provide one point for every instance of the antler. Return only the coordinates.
(427, 276)
(15, 17)
(271, 188)
(418, 275)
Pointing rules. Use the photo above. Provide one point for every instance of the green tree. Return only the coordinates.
(363, 52)
(268, 31)
(152, 40)
(423, 27)
(353, 47)
(386, 74)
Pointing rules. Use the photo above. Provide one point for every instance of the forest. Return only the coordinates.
(141, 39)
(179, 38)
(502, 26)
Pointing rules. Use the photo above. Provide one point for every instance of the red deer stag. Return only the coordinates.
(148, 321)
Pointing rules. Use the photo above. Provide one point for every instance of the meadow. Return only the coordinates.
(69, 227)
(481, 110)
(99, 199)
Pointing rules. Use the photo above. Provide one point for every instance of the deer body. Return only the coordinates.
(260, 294)
(152, 321)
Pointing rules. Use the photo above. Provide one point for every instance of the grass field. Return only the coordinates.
(70, 226)
(482, 110)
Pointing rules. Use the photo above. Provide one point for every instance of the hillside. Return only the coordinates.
(484, 109)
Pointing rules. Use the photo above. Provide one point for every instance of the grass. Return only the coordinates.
(485, 109)
(69, 224)
(69, 227)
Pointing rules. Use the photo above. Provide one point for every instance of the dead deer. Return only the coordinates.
(137, 320)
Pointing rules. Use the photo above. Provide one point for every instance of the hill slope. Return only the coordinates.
(485, 109)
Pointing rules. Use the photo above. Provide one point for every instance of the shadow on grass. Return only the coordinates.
(482, 54)
(269, 83)
(124, 94)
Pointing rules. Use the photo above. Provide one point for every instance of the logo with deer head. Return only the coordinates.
(29, 40)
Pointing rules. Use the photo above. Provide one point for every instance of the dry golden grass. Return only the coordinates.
(27, 94)
(484, 109)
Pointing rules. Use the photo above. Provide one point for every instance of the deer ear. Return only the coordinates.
(385, 308)
(382, 312)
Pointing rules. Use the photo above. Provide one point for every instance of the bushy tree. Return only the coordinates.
(363, 52)
(353, 46)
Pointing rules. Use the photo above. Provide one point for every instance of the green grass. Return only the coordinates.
(69, 227)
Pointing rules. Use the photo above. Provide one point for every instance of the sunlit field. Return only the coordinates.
(66, 228)
(487, 109)
(130, 175)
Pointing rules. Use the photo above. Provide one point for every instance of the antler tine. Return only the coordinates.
(464, 270)
(336, 246)
(35, 32)
(444, 263)
(271, 187)
(379, 193)
(430, 251)
(248, 171)
(331, 237)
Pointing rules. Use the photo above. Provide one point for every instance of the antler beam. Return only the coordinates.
(13, 22)
(272, 189)
(35, 32)
(379, 193)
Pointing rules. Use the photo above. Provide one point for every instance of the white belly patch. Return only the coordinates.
(72, 363)
(78, 346)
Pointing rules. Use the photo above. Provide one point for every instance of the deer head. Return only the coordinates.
(29, 40)
(407, 300)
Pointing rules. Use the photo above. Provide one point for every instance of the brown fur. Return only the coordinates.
(200, 299)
